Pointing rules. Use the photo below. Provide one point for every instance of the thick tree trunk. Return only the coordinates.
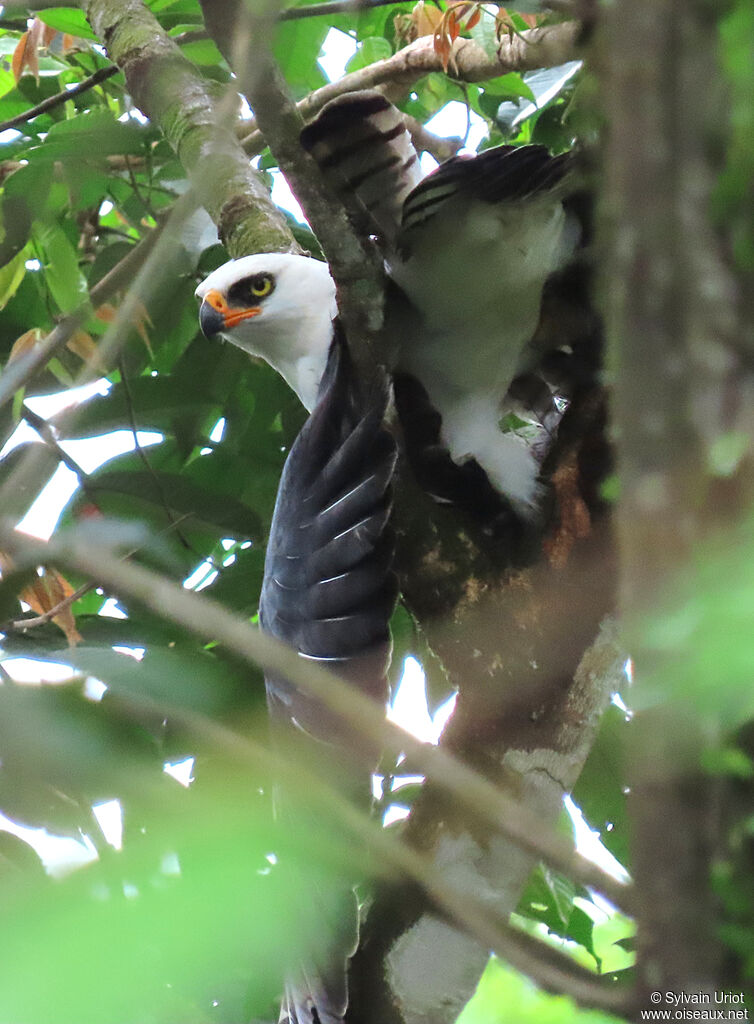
(680, 388)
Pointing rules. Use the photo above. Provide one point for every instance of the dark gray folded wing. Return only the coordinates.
(329, 591)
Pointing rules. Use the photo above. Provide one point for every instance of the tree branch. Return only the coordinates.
(171, 93)
(525, 51)
(381, 851)
(210, 621)
(44, 430)
(101, 75)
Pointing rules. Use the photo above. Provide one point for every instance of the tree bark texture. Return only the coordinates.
(680, 387)
(196, 122)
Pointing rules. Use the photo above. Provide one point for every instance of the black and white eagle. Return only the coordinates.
(474, 252)
(471, 250)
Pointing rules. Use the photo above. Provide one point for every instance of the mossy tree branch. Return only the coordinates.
(170, 91)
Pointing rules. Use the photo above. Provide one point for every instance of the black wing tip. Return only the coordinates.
(500, 174)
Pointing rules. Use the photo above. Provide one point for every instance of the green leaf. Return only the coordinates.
(238, 586)
(484, 34)
(510, 86)
(24, 197)
(600, 790)
(202, 52)
(64, 279)
(55, 734)
(549, 899)
(95, 134)
(67, 19)
(166, 678)
(184, 498)
(699, 635)
(154, 402)
(11, 276)
(296, 48)
(504, 994)
(11, 585)
(370, 50)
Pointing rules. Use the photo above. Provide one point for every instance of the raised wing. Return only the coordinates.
(363, 149)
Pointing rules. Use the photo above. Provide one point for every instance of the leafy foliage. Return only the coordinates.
(167, 928)
(87, 185)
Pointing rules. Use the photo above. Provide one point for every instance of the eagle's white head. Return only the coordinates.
(277, 306)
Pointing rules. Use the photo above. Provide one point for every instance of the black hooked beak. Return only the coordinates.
(211, 320)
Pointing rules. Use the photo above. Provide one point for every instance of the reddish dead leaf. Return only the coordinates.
(474, 19)
(442, 45)
(46, 593)
(26, 53)
(141, 320)
(19, 60)
(68, 43)
(89, 511)
(450, 27)
(48, 35)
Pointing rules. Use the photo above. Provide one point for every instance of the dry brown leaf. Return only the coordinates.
(26, 53)
(19, 60)
(45, 593)
(425, 19)
(26, 342)
(106, 312)
(141, 320)
(82, 344)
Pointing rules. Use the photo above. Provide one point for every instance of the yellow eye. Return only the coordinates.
(261, 285)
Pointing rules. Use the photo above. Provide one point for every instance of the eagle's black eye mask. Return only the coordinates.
(251, 290)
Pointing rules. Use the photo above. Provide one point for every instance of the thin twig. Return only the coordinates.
(45, 431)
(427, 142)
(23, 625)
(210, 621)
(130, 412)
(101, 75)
